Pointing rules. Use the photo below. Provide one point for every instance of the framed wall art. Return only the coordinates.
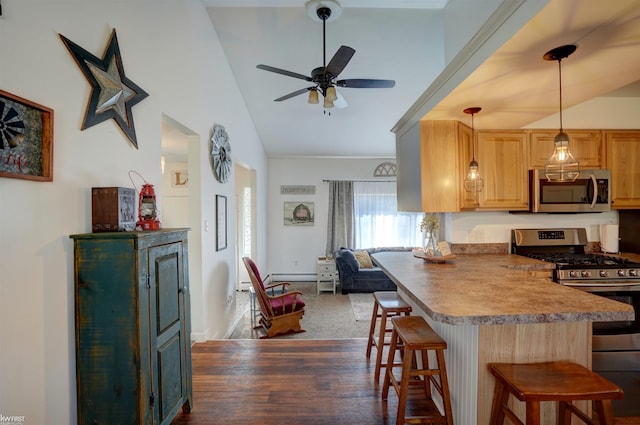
(221, 222)
(26, 139)
(298, 213)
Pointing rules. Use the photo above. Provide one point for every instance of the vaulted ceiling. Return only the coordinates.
(402, 40)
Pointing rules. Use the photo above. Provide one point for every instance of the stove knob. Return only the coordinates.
(603, 273)
(621, 273)
(573, 273)
(586, 274)
(633, 273)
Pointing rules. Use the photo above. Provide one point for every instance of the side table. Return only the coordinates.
(326, 275)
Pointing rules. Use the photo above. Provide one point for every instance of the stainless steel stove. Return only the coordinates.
(616, 345)
(565, 248)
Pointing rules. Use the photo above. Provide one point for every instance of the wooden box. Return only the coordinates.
(113, 209)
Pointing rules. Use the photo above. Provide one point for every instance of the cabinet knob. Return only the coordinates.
(183, 290)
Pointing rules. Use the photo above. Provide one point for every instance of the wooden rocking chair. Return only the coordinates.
(280, 313)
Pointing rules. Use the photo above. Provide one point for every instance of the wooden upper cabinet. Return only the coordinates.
(587, 146)
(502, 158)
(440, 169)
(623, 159)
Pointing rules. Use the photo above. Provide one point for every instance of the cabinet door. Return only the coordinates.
(623, 159)
(169, 335)
(587, 146)
(502, 157)
(439, 166)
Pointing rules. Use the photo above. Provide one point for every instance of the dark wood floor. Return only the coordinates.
(285, 382)
(288, 382)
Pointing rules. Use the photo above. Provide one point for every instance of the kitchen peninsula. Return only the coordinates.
(498, 308)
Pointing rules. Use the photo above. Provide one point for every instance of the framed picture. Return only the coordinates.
(298, 214)
(221, 222)
(26, 139)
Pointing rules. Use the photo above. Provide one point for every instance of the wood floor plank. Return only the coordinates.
(285, 382)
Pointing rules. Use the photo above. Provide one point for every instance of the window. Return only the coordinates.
(378, 223)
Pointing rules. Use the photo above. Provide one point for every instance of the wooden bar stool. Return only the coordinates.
(386, 305)
(417, 337)
(563, 382)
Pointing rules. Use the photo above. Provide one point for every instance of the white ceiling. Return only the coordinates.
(516, 86)
(401, 40)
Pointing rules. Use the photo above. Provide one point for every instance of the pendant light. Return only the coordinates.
(473, 182)
(562, 166)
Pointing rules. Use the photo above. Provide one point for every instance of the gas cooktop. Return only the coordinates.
(565, 247)
(568, 260)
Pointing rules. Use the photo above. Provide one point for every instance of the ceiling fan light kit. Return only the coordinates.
(324, 77)
(562, 166)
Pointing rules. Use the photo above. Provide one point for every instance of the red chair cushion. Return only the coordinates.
(285, 304)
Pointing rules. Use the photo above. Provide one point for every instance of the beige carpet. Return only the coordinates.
(327, 316)
(362, 306)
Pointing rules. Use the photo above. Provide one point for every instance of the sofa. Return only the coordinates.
(359, 273)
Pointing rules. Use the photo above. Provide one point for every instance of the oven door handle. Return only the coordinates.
(594, 185)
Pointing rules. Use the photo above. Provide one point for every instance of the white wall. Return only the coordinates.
(168, 48)
(293, 250)
(495, 227)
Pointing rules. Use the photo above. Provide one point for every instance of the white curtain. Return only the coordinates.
(377, 220)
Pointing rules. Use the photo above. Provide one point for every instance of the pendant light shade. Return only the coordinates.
(562, 166)
(327, 103)
(473, 182)
(313, 97)
(331, 94)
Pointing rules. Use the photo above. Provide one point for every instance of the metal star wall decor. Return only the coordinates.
(112, 93)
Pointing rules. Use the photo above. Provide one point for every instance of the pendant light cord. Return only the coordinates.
(560, 91)
(473, 139)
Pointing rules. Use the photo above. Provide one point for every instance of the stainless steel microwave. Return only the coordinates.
(590, 192)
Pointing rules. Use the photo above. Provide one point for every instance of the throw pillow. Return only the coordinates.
(363, 259)
(350, 259)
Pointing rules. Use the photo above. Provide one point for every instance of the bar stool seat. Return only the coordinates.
(561, 382)
(417, 337)
(386, 304)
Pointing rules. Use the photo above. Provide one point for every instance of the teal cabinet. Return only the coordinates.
(132, 327)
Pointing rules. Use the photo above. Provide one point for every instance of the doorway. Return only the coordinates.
(181, 204)
(245, 193)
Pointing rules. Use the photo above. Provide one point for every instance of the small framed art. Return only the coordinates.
(298, 213)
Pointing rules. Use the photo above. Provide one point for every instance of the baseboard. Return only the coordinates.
(293, 277)
(199, 336)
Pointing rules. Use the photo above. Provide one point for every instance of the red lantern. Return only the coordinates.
(147, 207)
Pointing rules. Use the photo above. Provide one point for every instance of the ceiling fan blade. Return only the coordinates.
(364, 83)
(339, 60)
(283, 72)
(293, 94)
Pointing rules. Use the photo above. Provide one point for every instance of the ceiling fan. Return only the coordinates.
(324, 77)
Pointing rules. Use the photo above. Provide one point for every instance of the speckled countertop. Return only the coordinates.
(491, 289)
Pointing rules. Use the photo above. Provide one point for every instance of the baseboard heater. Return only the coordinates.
(293, 277)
